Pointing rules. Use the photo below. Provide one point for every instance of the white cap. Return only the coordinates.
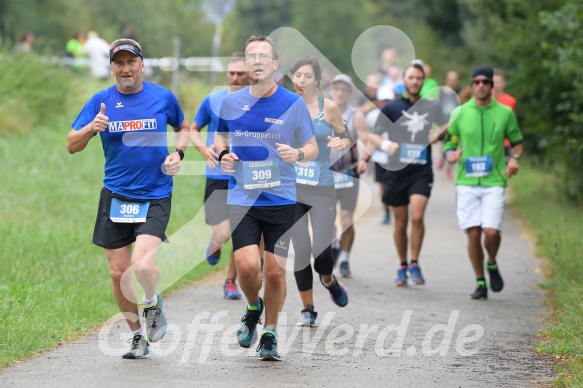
(343, 78)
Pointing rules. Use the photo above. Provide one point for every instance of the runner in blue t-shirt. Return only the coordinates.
(217, 182)
(131, 119)
(261, 124)
(316, 196)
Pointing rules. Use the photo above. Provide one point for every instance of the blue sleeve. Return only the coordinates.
(89, 111)
(203, 116)
(174, 113)
(305, 126)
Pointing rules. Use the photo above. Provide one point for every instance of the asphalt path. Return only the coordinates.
(422, 336)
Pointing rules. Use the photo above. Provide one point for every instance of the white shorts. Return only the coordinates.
(480, 206)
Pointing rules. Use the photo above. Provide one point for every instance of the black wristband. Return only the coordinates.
(180, 152)
(223, 153)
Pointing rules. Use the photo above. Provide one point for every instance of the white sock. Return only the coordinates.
(344, 256)
(327, 285)
(139, 331)
(150, 303)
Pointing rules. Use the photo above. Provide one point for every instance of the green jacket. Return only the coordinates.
(481, 132)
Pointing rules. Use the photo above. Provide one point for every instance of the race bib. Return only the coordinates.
(128, 212)
(478, 166)
(307, 173)
(342, 180)
(263, 174)
(381, 157)
(413, 153)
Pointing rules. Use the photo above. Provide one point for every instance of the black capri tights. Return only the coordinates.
(319, 203)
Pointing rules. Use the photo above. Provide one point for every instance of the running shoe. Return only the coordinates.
(267, 348)
(156, 323)
(480, 293)
(496, 282)
(401, 279)
(416, 276)
(231, 291)
(387, 218)
(247, 333)
(308, 317)
(212, 257)
(338, 292)
(345, 269)
(138, 348)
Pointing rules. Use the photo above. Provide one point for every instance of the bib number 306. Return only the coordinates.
(128, 212)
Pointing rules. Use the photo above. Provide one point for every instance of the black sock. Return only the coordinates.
(404, 264)
(413, 262)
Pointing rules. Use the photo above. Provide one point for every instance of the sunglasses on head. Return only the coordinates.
(484, 81)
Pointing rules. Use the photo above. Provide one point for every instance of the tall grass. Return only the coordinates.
(54, 284)
(558, 226)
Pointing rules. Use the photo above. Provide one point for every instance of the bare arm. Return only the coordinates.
(334, 115)
(209, 153)
(172, 161)
(78, 140)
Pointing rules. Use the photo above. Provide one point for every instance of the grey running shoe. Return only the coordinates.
(156, 323)
(345, 269)
(267, 348)
(139, 347)
(308, 317)
(247, 333)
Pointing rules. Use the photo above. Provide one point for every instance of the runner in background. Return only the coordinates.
(344, 163)
(316, 197)
(217, 182)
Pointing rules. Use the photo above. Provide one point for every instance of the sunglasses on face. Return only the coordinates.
(484, 81)
(239, 73)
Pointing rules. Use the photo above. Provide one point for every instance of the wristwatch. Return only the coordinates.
(516, 156)
(180, 152)
(300, 155)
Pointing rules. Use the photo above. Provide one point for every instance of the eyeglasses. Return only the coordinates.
(239, 73)
(483, 81)
(262, 57)
(342, 90)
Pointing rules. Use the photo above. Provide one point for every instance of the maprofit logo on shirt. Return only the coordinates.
(273, 121)
(132, 125)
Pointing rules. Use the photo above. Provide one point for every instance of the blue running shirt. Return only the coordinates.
(208, 116)
(255, 125)
(135, 142)
(323, 130)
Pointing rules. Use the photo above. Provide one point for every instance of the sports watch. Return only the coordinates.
(516, 156)
(300, 155)
(180, 152)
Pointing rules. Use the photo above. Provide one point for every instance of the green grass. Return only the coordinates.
(54, 284)
(558, 226)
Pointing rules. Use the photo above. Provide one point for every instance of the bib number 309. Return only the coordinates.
(260, 174)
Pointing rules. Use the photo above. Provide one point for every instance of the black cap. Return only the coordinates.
(125, 47)
(486, 71)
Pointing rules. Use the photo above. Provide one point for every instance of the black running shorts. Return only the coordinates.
(112, 235)
(248, 223)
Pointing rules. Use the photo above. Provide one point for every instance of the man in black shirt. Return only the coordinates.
(405, 131)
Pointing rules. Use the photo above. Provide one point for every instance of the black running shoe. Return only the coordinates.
(480, 293)
(496, 282)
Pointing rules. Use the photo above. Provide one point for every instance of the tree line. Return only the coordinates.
(537, 44)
